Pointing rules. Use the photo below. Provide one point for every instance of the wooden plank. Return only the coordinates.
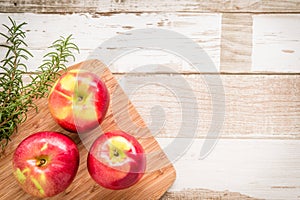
(266, 106)
(265, 169)
(256, 106)
(52, 6)
(159, 174)
(205, 194)
(93, 6)
(276, 43)
(90, 32)
(236, 42)
(226, 39)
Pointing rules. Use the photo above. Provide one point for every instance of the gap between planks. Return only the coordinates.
(204, 73)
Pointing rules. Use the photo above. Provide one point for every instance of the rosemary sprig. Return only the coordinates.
(16, 97)
(54, 62)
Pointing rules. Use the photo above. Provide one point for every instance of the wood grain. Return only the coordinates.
(203, 194)
(236, 42)
(267, 106)
(159, 174)
(276, 43)
(107, 6)
(256, 106)
(262, 169)
(90, 32)
(257, 156)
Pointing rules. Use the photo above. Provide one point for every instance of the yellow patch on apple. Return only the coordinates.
(64, 112)
(117, 147)
(120, 143)
(43, 178)
(44, 147)
(85, 110)
(20, 175)
(68, 82)
(38, 186)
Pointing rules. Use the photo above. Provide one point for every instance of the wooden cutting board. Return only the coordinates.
(121, 115)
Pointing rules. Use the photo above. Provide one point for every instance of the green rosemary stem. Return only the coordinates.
(16, 97)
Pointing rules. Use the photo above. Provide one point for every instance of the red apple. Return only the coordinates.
(116, 160)
(45, 163)
(78, 101)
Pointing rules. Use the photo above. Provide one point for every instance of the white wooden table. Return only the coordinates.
(255, 46)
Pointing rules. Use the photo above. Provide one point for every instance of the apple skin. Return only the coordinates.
(45, 163)
(116, 160)
(78, 101)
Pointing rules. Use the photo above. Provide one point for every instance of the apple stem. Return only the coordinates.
(116, 153)
(80, 98)
(41, 162)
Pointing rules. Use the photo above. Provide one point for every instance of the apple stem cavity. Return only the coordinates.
(116, 153)
(41, 162)
(80, 98)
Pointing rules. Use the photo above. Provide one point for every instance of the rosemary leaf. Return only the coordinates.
(16, 97)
